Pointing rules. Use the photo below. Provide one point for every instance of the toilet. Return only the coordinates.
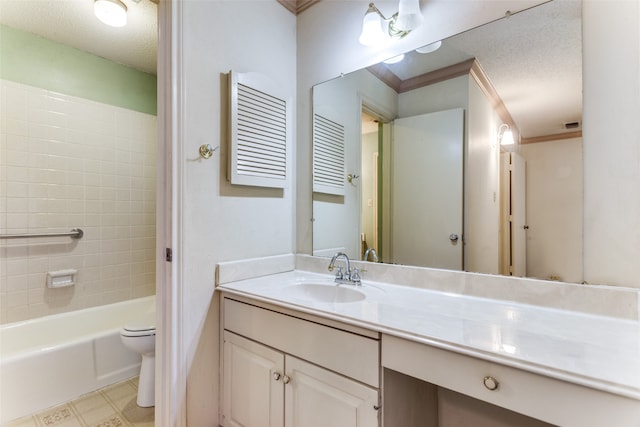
(139, 335)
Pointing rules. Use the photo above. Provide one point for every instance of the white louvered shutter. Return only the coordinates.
(260, 122)
(328, 156)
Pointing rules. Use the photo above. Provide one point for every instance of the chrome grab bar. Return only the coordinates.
(76, 233)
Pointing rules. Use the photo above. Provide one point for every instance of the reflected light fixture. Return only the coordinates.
(400, 24)
(505, 135)
(111, 12)
(431, 47)
(394, 59)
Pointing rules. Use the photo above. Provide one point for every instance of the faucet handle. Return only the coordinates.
(339, 273)
(355, 276)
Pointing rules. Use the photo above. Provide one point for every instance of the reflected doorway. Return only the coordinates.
(370, 171)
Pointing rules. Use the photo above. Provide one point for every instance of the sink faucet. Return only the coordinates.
(374, 255)
(351, 277)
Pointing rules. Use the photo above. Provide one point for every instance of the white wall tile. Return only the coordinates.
(69, 162)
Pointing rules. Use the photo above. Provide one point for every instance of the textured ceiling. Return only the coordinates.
(532, 58)
(72, 22)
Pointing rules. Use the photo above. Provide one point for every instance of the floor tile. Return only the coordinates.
(113, 406)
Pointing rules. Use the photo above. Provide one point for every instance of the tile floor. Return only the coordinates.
(113, 406)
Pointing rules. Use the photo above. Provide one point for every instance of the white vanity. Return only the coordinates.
(300, 351)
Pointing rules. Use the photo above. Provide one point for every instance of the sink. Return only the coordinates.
(324, 293)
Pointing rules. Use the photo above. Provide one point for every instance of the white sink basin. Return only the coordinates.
(324, 293)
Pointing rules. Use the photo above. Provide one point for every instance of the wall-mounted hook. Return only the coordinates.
(206, 151)
(351, 177)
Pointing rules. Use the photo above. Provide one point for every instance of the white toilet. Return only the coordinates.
(139, 335)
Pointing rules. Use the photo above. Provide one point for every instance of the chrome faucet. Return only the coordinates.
(374, 255)
(351, 277)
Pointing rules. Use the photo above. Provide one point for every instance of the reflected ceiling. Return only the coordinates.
(538, 78)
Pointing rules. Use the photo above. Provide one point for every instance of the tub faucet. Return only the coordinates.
(351, 277)
(373, 253)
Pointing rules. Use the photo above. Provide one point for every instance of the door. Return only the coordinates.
(427, 193)
(253, 386)
(316, 397)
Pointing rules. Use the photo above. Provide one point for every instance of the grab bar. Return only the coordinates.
(76, 233)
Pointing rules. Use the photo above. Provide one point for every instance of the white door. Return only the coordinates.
(518, 216)
(253, 387)
(316, 397)
(427, 193)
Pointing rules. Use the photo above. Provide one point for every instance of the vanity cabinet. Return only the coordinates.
(469, 384)
(282, 370)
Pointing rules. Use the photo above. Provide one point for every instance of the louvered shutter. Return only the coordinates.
(328, 156)
(260, 122)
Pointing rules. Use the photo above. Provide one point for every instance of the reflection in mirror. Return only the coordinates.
(430, 181)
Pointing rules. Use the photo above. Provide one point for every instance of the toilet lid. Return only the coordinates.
(141, 326)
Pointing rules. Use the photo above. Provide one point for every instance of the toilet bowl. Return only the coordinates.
(139, 335)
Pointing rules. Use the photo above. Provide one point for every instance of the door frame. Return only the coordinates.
(170, 369)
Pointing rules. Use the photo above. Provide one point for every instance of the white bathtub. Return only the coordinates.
(54, 359)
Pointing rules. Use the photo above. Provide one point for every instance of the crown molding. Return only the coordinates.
(297, 6)
(552, 137)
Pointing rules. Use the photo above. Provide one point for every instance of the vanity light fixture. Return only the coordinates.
(505, 135)
(111, 12)
(400, 24)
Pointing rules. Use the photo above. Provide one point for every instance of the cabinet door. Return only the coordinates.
(316, 397)
(253, 390)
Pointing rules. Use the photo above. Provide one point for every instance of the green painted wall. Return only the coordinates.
(35, 61)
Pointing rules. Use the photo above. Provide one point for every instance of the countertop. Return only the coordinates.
(595, 351)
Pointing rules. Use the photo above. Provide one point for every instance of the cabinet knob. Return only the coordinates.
(286, 379)
(276, 376)
(491, 383)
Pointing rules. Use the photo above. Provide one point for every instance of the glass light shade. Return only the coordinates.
(111, 12)
(507, 138)
(409, 15)
(372, 33)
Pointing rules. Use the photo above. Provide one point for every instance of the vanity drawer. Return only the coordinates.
(547, 399)
(343, 352)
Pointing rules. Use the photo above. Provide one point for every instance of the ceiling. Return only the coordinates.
(72, 22)
(533, 58)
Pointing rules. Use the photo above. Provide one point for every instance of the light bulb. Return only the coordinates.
(409, 15)
(507, 138)
(111, 12)
(372, 33)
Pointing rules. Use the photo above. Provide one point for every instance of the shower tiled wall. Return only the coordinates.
(67, 162)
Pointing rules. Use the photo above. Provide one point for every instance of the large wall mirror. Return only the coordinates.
(411, 166)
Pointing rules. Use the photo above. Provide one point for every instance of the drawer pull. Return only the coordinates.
(286, 379)
(491, 383)
(276, 376)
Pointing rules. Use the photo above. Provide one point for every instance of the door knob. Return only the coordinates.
(453, 237)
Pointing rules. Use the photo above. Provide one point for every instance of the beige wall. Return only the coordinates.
(68, 162)
(482, 185)
(554, 209)
(611, 133)
(221, 222)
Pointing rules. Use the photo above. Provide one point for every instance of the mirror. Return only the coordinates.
(513, 210)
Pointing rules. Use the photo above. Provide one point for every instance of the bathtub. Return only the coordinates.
(54, 359)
